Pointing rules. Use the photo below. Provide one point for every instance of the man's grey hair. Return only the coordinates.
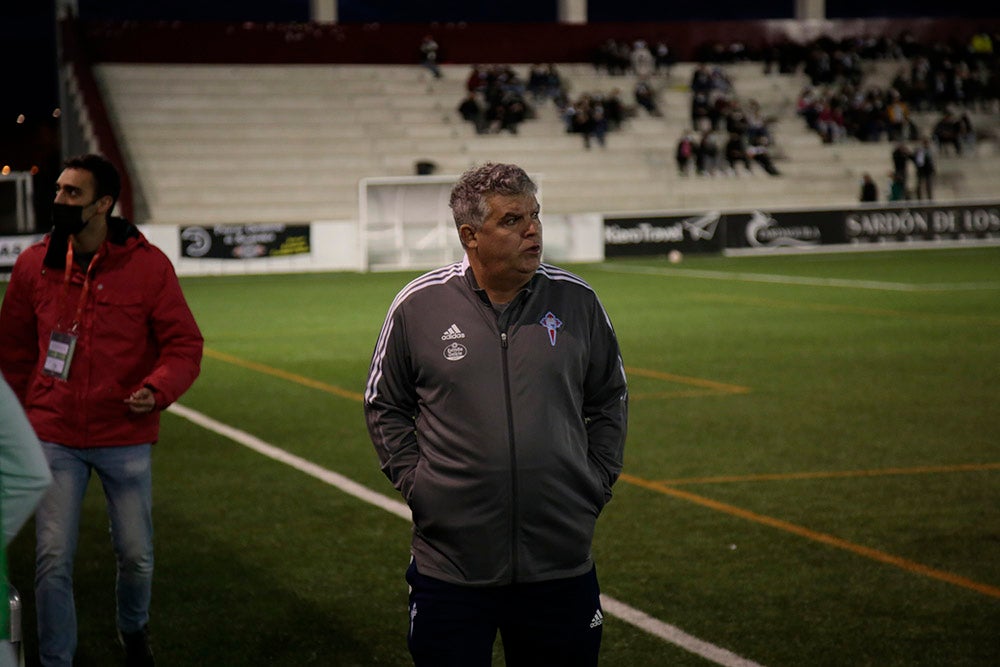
(468, 197)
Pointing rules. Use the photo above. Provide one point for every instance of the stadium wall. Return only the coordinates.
(319, 246)
(375, 43)
(341, 245)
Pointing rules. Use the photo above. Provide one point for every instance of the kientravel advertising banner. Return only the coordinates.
(763, 228)
(659, 234)
(244, 241)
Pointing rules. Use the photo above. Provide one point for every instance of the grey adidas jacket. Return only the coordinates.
(504, 434)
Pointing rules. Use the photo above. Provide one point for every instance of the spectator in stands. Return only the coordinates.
(966, 131)
(897, 114)
(707, 157)
(869, 190)
(760, 152)
(901, 158)
(720, 82)
(506, 107)
(664, 57)
(429, 55)
(472, 111)
(735, 151)
(920, 83)
(599, 124)
(819, 67)
(897, 188)
(544, 82)
(701, 80)
(614, 110)
(923, 158)
(736, 119)
(506, 112)
(476, 82)
(613, 56)
(588, 121)
(642, 61)
(645, 97)
(757, 126)
(702, 113)
(948, 131)
(808, 106)
(830, 122)
(684, 153)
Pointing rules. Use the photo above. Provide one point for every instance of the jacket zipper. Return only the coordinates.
(514, 523)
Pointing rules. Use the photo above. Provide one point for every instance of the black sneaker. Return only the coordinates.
(138, 652)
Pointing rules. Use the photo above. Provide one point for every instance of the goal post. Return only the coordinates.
(406, 222)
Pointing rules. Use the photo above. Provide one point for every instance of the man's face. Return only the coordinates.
(75, 187)
(509, 244)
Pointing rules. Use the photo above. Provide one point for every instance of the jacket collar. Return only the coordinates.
(120, 231)
(470, 280)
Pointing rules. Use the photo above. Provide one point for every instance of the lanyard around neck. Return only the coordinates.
(67, 275)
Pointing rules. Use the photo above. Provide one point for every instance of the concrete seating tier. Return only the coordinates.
(228, 143)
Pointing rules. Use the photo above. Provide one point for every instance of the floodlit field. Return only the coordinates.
(812, 472)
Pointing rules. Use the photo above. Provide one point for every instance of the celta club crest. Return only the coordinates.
(551, 324)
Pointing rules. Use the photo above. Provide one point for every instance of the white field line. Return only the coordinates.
(640, 620)
(799, 280)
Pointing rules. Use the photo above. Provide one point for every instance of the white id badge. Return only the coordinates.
(60, 354)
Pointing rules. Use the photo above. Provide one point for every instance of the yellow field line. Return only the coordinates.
(833, 474)
(684, 379)
(830, 540)
(284, 375)
(353, 395)
(660, 487)
(680, 393)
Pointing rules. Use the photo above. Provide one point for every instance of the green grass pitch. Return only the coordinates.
(812, 472)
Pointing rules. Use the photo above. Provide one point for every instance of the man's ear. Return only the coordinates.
(105, 204)
(468, 236)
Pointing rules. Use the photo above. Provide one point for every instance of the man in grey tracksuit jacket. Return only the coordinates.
(502, 425)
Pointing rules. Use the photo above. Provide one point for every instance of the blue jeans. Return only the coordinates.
(126, 475)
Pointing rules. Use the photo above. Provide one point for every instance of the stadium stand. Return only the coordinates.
(283, 143)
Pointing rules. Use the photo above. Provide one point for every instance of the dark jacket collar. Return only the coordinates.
(120, 231)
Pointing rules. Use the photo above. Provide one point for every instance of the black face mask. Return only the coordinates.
(68, 219)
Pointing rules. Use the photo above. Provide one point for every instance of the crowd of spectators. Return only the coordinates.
(925, 110)
(726, 132)
(619, 57)
(495, 99)
(951, 79)
(728, 135)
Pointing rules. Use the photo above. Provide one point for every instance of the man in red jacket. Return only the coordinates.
(96, 339)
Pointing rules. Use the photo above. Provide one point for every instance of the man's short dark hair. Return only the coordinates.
(107, 181)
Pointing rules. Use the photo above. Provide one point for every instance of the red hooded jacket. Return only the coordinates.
(135, 329)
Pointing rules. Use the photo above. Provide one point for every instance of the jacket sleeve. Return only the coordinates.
(605, 401)
(179, 339)
(19, 330)
(24, 473)
(391, 405)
